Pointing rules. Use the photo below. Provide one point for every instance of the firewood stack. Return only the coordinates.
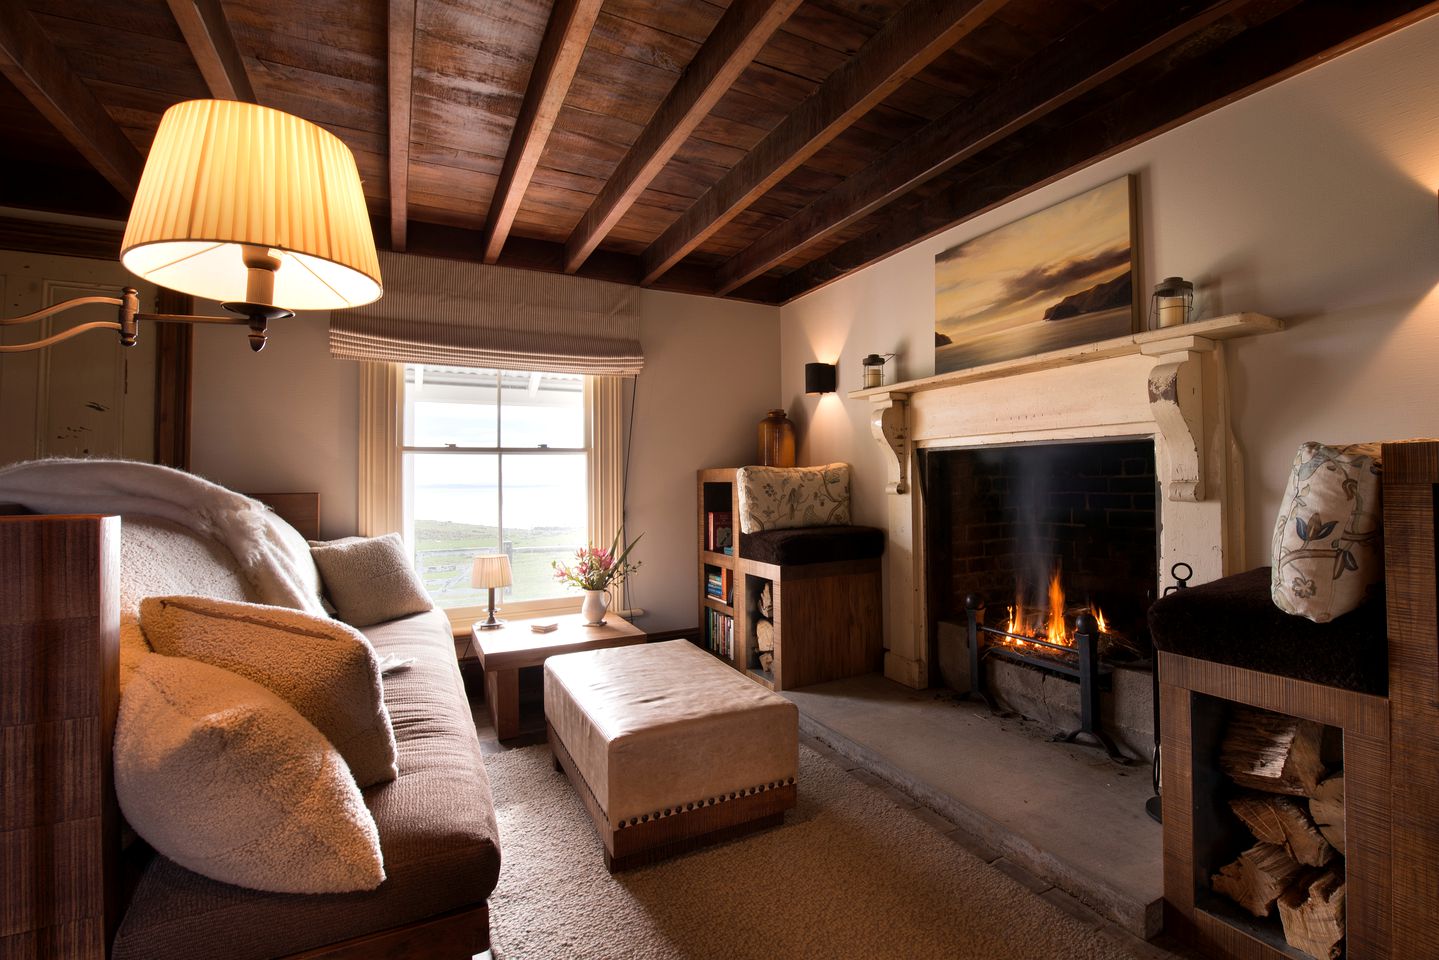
(764, 627)
(1294, 806)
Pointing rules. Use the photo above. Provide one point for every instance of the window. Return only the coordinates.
(494, 461)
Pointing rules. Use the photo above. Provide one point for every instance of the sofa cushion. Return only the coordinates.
(324, 669)
(370, 579)
(775, 498)
(436, 823)
(223, 776)
(813, 545)
(1233, 621)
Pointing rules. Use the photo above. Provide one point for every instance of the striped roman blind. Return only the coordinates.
(467, 314)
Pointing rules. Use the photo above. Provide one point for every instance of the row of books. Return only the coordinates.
(719, 532)
(719, 633)
(719, 583)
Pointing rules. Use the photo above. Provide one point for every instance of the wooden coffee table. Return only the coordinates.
(504, 651)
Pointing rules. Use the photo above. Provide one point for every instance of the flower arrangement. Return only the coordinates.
(596, 569)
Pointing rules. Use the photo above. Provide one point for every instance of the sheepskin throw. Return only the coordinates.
(324, 669)
(226, 779)
(370, 579)
(270, 553)
(1327, 549)
(781, 498)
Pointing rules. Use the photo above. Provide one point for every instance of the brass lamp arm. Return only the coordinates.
(59, 307)
(249, 315)
(62, 335)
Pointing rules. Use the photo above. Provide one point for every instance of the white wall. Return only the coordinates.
(1313, 201)
(286, 419)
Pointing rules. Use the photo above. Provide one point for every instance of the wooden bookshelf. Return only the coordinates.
(716, 491)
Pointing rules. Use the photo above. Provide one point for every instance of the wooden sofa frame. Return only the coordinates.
(59, 822)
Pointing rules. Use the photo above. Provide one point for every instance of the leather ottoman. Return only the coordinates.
(669, 748)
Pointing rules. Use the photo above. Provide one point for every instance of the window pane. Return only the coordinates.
(455, 506)
(450, 406)
(545, 512)
(542, 408)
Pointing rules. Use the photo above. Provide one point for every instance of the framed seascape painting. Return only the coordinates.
(1058, 278)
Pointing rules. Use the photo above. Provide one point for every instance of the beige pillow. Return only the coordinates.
(1327, 548)
(226, 779)
(780, 498)
(370, 579)
(321, 667)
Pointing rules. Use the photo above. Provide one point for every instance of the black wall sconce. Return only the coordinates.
(819, 378)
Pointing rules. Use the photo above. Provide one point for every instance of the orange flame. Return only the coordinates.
(1057, 631)
(1099, 616)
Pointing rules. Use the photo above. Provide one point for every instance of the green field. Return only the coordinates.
(443, 551)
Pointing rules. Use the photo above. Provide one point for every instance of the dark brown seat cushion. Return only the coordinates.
(437, 835)
(812, 545)
(1234, 621)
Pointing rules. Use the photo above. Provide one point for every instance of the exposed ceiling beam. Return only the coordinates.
(733, 44)
(39, 71)
(401, 79)
(1105, 46)
(564, 43)
(1312, 33)
(913, 37)
(211, 43)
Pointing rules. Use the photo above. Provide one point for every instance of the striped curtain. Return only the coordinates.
(468, 314)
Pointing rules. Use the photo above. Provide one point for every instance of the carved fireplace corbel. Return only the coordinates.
(889, 423)
(1177, 401)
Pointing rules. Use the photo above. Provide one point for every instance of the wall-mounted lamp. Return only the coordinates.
(246, 205)
(819, 378)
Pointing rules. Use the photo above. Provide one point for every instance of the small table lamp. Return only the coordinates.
(491, 571)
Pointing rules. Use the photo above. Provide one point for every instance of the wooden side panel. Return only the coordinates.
(59, 658)
(299, 510)
(828, 627)
(1411, 471)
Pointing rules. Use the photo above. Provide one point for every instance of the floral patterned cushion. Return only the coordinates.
(780, 498)
(1327, 543)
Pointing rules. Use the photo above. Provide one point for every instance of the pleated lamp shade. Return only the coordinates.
(224, 175)
(491, 571)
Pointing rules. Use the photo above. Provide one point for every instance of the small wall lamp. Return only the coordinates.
(250, 206)
(819, 378)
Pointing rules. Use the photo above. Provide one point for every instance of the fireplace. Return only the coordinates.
(1042, 560)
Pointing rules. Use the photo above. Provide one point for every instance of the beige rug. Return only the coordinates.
(849, 875)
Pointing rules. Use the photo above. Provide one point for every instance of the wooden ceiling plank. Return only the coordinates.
(738, 37)
(400, 85)
(916, 35)
(38, 70)
(564, 42)
(1100, 50)
(212, 44)
(1256, 59)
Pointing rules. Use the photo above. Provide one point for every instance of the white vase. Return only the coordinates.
(596, 602)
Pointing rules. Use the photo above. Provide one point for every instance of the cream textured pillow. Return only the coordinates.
(778, 498)
(226, 779)
(321, 667)
(370, 579)
(1328, 550)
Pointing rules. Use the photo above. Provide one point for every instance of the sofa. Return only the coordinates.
(436, 820)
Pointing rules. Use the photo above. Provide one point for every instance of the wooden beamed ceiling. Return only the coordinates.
(751, 148)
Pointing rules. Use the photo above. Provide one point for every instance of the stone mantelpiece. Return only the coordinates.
(1169, 385)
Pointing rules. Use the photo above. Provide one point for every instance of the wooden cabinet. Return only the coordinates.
(827, 617)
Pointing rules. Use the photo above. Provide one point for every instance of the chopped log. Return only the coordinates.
(1272, 752)
(1312, 912)
(1257, 878)
(764, 635)
(766, 662)
(1275, 819)
(766, 600)
(1327, 809)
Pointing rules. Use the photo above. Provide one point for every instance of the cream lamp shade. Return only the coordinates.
(236, 196)
(492, 571)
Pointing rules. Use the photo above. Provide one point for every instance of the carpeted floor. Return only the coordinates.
(850, 874)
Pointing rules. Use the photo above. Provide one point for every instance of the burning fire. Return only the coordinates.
(1057, 631)
(1054, 629)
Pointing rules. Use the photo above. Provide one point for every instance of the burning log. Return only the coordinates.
(1312, 912)
(1327, 809)
(1273, 752)
(1257, 878)
(1277, 819)
(764, 636)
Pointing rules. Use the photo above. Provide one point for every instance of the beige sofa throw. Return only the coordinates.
(226, 779)
(779, 498)
(1327, 548)
(324, 669)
